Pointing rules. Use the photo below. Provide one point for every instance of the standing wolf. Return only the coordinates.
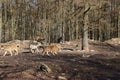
(54, 49)
(10, 48)
(34, 46)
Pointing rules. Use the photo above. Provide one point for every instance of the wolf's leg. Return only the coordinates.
(53, 53)
(16, 52)
(43, 52)
(47, 53)
(11, 53)
(5, 53)
(37, 50)
(32, 50)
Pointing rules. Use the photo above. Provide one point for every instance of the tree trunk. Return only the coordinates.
(119, 23)
(0, 22)
(85, 45)
(77, 27)
(85, 34)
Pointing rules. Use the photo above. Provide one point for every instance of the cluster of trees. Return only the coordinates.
(51, 19)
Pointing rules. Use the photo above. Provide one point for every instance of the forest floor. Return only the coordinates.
(101, 63)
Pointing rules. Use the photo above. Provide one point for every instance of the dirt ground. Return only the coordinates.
(101, 63)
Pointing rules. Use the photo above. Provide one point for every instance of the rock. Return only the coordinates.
(61, 78)
(43, 67)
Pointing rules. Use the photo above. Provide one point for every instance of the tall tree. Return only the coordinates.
(0, 21)
(119, 23)
(85, 45)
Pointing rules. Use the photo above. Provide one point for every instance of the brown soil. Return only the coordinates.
(101, 63)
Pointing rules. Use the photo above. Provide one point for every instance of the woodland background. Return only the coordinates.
(51, 19)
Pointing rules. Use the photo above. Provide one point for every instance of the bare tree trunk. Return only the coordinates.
(5, 22)
(73, 29)
(13, 27)
(77, 27)
(85, 34)
(69, 27)
(0, 22)
(63, 31)
(85, 45)
(119, 22)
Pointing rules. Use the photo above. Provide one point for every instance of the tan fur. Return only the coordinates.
(52, 49)
(10, 48)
